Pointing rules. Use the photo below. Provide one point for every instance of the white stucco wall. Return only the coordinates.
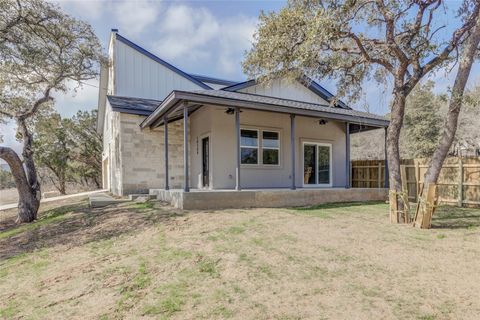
(213, 120)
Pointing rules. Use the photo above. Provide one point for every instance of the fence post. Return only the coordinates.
(379, 174)
(417, 180)
(460, 182)
(367, 177)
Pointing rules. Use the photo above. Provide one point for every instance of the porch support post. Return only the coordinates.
(292, 145)
(387, 182)
(238, 155)
(186, 186)
(165, 123)
(347, 155)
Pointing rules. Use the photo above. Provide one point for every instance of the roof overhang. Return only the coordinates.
(194, 99)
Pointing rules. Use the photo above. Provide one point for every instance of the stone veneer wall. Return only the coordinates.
(142, 155)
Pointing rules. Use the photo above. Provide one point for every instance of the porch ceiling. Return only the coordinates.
(197, 98)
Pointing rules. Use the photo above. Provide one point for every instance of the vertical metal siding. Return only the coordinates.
(139, 76)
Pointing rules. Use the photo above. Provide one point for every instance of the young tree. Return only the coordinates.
(422, 122)
(41, 50)
(468, 55)
(355, 40)
(52, 146)
(87, 147)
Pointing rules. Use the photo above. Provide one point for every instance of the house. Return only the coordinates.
(198, 140)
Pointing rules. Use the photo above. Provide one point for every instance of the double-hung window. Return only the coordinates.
(259, 147)
(270, 147)
(249, 146)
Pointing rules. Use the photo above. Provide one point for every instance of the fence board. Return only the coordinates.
(459, 180)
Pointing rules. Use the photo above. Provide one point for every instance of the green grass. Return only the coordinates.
(328, 210)
(208, 265)
(173, 298)
(142, 205)
(49, 217)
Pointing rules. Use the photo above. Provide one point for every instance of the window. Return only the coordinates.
(249, 146)
(259, 147)
(317, 164)
(270, 147)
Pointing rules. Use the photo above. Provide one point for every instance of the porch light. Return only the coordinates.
(231, 111)
(322, 122)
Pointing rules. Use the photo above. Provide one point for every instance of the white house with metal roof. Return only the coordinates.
(204, 142)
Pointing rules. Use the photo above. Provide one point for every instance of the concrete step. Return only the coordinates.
(142, 196)
(99, 200)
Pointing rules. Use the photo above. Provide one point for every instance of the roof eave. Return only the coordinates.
(176, 96)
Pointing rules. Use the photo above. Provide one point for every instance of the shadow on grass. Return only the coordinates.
(448, 217)
(340, 205)
(77, 224)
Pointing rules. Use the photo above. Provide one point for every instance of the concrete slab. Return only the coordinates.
(103, 199)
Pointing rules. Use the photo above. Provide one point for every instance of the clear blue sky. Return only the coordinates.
(205, 37)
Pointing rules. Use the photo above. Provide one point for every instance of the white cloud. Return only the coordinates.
(77, 98)
(85, 9)
(195, 34)
(135, 16)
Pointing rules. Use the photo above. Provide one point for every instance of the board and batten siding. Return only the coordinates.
(137, 75)
(285, 89)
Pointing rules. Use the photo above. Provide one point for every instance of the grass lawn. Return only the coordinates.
(148, 260)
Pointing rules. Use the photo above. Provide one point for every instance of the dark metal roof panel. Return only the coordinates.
(132, 105)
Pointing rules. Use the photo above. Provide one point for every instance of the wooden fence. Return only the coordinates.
(458, 184)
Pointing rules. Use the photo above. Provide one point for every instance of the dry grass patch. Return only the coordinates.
(336, 261)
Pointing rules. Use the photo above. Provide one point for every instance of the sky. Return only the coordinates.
(200, 37)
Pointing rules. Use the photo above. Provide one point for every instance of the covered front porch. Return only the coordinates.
(243, 150)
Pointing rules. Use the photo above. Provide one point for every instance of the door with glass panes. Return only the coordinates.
(317, 164)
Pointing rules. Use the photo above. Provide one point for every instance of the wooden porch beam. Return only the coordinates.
(292, 145)
(186, 186)
(386, 182)
(238, 153)
(165, 122)
(347, 155)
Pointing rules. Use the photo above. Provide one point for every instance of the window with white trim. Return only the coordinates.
(249, 146)
(270, 148)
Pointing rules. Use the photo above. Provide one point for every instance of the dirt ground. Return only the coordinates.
(148, 260)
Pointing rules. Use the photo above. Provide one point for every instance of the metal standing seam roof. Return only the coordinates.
(131, 105)
(253, 101)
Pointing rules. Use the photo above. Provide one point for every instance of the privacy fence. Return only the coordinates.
(459, 182)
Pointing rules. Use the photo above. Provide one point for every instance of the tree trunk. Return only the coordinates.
(451, 121)
(30, 169)
(428, 199)
(393, 154)
(27, 202)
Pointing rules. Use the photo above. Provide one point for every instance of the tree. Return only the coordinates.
(41, 50)
(87, 148)
(469, 53)
(52, 146)
(353, 41)
(6, 179)
(422, 122)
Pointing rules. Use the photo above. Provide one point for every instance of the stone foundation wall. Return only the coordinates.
(142, 155)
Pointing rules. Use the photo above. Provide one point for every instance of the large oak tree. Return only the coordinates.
(356, 40)
(42, 51)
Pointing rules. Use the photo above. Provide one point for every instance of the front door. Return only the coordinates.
(317, 164)
(205, 162)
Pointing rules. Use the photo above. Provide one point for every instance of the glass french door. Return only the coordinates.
(317, 164)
